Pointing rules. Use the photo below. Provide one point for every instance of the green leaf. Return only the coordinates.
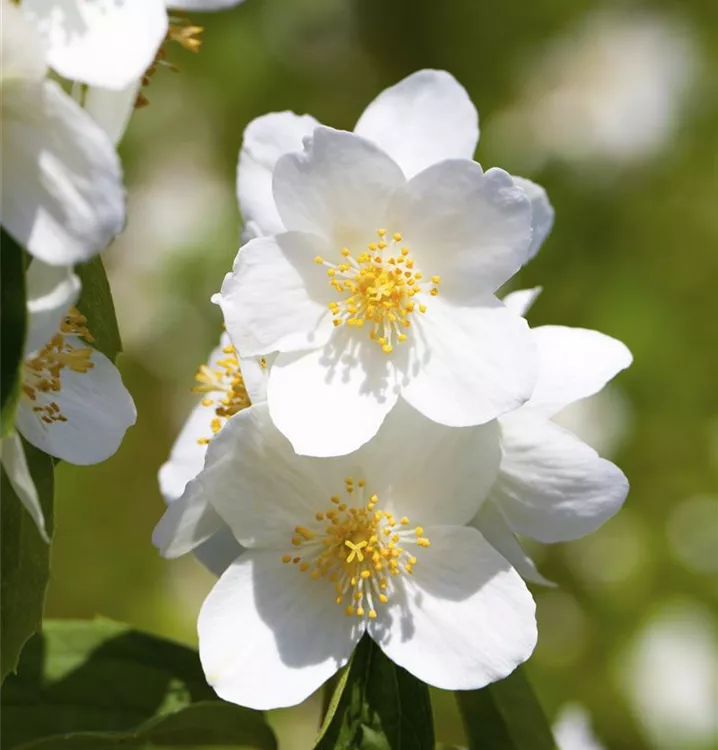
(96, 305)
(13, 317)
(24, 561)
(506, 715)
(377, 706)
(97, 675)
(203, 725)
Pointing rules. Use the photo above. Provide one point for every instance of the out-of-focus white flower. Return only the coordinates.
(107, 43)
(72, 402)
(552, 486)
(610, 90)
(333, 549)
(572, 729)
(670, 676)
(62, 195)
(229, 384)
(383, 287)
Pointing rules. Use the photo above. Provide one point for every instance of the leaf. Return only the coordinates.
(97, 675)
(505, 715)
(13, 314)
(96, 305)
(24, 561)
(211, 724)
(377, 706)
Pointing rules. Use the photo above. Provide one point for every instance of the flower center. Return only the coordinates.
(359, 548)
(226, 383)
(379, 286)
(42, 372)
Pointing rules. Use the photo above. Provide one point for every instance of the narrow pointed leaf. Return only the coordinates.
(506, 715)
(96, 305)
(13, 319)
(24, 562)
(377, 706)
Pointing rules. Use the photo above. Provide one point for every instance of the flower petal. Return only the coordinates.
(573, 363)
(67, 200)
(112, 109)
(219, 551)
(269, 637)
(276, 297)
(255, 372)
(428, 472)
(551, 486)
(202, 5)
(23, 56)
(187, 522)
(471, 228)
(98, 408)
(521, 301)
(465, 618)
(51, 291)
(338, 188)
(498, 534)
(422, 120)
(250, 459)
(472, 363)
(266, 139)
(542, 213)
(330, 401)
(14, 462)
(105, 43)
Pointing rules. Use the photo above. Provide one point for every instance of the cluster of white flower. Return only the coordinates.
(366, 464)
(63, 201)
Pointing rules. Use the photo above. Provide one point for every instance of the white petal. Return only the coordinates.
(98, 408)
(249, 460)
(471, 228)
(338, 188)
(542, 213)
(255, 371)
(473, 363)
(276, 297)
(521, 301)
(465, 618)
(101, 42)
(187, 456)
(422, 120)
(12, 455)
(187, 522)
(202, 5)
(266, 139)
(573, 363)
(498, 534)
(428, 472)
(112, 109)
(219, 551)
(551, 486)
(330, 401)
(62, 183)
(22, 57)
(269, 636)
(51, 291)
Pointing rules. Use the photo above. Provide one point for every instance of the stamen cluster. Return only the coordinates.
(358, 548)
(43, 371)
(381, 283)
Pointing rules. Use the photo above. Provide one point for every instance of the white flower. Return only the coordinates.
(374, 542)
(573, 731)
(229, 384)
(62, 195)
(551, 486)
(72, 402)
(108, 43)
(382, 287)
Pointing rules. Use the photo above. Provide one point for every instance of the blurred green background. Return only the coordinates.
(613, 107)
